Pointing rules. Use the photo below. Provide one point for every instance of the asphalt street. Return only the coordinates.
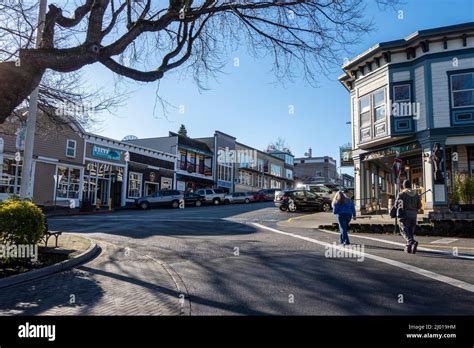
(238, 260)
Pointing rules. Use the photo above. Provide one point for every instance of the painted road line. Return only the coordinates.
(403, 245)
(429, 274)
(444, 241)
(446, 246)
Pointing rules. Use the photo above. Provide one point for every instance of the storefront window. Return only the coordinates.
(134, 185)
(69, 182)
(471, 161)
(10, 176)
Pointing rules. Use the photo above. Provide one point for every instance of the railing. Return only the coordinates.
(193, 168)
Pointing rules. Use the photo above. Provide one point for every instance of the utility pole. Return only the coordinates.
(26, 175)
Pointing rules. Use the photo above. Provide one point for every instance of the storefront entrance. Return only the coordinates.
(151, 188)
(102, 184)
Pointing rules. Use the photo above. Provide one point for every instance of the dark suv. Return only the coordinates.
(293, 200)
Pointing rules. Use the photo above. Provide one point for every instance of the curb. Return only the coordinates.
(93, 250)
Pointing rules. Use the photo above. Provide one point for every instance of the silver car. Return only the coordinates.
(238, 197)
(162, 198)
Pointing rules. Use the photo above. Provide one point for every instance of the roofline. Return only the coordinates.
(408, 40)
(131, 145)
(227, 135)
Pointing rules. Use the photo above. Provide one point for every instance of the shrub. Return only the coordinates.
(465, 187)
(21, 222)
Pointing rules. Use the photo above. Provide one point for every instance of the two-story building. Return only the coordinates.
(315, 170)
(412, 105)
(71, 166)
(194, 167)
(242, 168)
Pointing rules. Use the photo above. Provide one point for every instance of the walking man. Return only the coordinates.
(408, 203)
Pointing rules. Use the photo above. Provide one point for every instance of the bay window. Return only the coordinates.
(379, 105)
(462, 90)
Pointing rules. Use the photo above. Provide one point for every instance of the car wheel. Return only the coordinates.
(216, 201)
(282, 208)
(226, 201)
(144, 205)
(198, 203)
(247, 200)
(326, 207)
(175, 204)
(292, 208)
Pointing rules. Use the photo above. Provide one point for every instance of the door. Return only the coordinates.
(300, 199)
(313, 201)
(151, 188)
(103, 192)
(117, 194)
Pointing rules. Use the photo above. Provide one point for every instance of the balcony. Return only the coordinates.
(195, 168)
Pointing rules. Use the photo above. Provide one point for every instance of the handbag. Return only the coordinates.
(393, 212)
(397, 212)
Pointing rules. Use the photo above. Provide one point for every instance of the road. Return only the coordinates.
(238, 260)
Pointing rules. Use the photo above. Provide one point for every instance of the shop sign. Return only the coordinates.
(346, 157)
(390, 151)
(20, 138)
(105, 152)
(225, 184)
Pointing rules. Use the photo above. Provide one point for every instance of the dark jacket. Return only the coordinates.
(410, 202)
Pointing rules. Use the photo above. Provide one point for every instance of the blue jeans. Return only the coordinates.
(344, 220)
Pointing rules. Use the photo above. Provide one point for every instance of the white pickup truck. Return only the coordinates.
(214, 196)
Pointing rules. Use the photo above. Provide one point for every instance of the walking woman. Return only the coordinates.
(344, 208)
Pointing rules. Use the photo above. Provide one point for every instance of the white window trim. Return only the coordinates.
(67, 148)
(459, 90)
(383, 105)
(81, 178)
(128, 184)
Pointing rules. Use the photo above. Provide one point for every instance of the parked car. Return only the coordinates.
(163, 198)
(326, 190)
(239, 197)
(214, 196)
(302, 200)
(191, 198)
(265, 195)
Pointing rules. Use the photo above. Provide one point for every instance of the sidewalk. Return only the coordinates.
(118, 282)
(314, 220)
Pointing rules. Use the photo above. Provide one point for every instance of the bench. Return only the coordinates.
(48, 234)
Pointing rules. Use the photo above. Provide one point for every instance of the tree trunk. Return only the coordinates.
(16, 84)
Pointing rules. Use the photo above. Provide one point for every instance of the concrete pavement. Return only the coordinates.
(229, 262)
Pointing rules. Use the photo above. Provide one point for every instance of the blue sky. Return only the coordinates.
(246, 103)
